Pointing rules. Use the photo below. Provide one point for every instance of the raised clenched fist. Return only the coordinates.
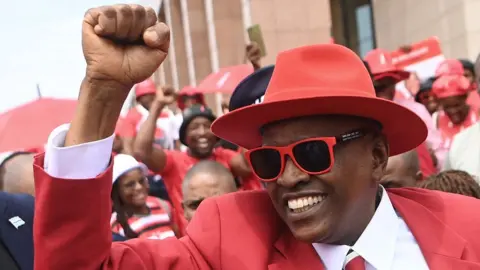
(165, 95)
(254, 54)
(123, 44)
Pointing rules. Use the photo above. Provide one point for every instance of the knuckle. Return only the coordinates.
(125, 10)
(137, 8)
(150, 11)
(90, 11)
(151, 16)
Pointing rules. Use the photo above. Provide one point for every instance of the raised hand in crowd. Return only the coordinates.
(253, 54)
(165, 95)
(123, 45)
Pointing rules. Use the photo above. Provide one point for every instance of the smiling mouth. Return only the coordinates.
(303, 204)
(203, 143)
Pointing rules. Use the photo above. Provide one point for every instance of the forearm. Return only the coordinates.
(128, 145)
(143, 144)
(256, 66)
(96, 115)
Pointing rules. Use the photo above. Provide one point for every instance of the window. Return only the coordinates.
(353, 25)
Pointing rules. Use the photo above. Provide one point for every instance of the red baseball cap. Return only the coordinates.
(146, 87)
(381, 66)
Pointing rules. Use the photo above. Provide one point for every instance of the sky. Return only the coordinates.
(41, 44)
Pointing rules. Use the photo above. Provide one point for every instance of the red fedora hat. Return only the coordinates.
(381, 66)
(322, 79)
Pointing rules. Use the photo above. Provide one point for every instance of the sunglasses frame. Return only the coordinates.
(288, 151)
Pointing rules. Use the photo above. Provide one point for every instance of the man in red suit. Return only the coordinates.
(319, 138)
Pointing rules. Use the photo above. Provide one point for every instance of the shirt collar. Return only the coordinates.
(376, 244)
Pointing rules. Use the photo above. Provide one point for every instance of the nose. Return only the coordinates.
(138, 186)
(202, 130)
(452, 110)
(291, 175)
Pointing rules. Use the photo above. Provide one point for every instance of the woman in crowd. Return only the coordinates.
(453, 181)
(135, 214)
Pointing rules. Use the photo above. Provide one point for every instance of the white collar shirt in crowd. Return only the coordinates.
(464, 152)
(168, 125)
(386, 244)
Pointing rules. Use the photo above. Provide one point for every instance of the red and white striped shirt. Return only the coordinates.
(156, 225)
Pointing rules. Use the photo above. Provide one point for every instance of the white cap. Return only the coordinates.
(5, 156)
(124, 163)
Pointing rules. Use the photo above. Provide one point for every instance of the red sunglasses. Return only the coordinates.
(312, 156)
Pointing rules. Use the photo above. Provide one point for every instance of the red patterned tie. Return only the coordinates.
(353, 261)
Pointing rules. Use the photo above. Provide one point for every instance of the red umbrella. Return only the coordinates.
(225, 80)
(28, 126)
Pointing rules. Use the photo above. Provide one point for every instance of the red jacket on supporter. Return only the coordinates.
(427, 166)
(236, 231)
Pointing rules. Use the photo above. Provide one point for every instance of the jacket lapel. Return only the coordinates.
(293, 254)
(440, 245)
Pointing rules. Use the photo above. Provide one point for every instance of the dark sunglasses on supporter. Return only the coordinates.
(421, 97)
(312, 156)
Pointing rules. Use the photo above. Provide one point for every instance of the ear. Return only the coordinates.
(419, 176)
(183, 205)
(380, 154)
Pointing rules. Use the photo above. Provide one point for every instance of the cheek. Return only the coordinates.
(210, 134)
(125, 195)
(272, 188)
(189, 135)
(352, 169)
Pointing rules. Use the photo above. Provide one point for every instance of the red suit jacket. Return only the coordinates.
(236, 232)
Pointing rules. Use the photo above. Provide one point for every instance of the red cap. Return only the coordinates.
(450, 86)
(145, 88)
(381, 66)
(449, 67)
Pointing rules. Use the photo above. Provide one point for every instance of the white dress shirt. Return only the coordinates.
(81, 161)
(386, 243)
(464, 152)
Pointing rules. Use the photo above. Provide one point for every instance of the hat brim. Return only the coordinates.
(402, 127)
(397, 75)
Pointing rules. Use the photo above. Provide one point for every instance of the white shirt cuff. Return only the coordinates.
(83, 161)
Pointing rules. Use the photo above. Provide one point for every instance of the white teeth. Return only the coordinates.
(304, 203)
(202, 140)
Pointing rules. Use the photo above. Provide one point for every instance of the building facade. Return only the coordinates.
(209, 34)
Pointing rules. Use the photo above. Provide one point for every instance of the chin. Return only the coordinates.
(310, 233)
(205, 153)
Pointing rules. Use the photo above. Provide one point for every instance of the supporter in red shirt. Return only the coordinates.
(456, 115)
(195, 133)
(188, 97)
(166, 132)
